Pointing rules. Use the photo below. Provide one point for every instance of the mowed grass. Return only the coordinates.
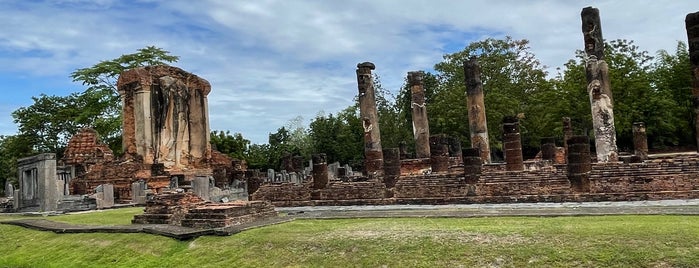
(599, 241)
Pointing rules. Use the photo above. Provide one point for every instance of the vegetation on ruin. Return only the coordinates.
(589, 241)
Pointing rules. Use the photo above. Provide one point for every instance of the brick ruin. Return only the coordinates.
(557, 174)
(169, 159)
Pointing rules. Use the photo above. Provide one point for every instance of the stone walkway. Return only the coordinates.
(665, 207)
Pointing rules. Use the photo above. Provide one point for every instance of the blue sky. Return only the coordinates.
(271, 61)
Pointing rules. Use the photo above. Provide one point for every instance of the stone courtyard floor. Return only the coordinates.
(669, 207)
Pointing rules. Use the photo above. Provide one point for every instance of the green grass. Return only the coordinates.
(603, 241)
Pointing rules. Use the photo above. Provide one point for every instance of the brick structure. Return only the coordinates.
(373, 155)
(478, 126)
(512, 144)
(692, 25)
(84, 150)
(548, 148)
(391, 166)
(165, 114)
(421, 128)
(579, 165)
(599, 88)
(472, 165)
(567, 133)
(640, 140)
(439, 158)
(320, 171)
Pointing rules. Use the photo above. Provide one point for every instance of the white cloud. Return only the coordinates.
(269, 61)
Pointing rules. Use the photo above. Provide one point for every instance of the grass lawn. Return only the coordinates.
(600, 241)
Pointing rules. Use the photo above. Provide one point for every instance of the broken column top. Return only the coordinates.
(149, 75)
(692, 25)
(415, 78)
(366, 65)
(592, 32)
(472, 71)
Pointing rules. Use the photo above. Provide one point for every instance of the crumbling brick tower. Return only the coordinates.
(165, 116)
(421, 128)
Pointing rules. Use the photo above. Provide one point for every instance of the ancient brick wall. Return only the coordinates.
(433, 185)
(283, 191)
(668, 178)
(337, 190)
(673, 174)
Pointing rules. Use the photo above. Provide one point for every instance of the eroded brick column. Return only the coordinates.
(439, 157)
(579, 163)
(548, 148)
(692, 25)
(320, 171)
(512, 144)
(391, 166)
(421, 128)
(598, 87)
(472, 164)
(373, 156)
(478, 126)
(567, 133)
(640, 140)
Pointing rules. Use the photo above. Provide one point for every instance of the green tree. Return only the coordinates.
(232, 145)
(672, 78)
(512, 78)
(11, 149)
(51, 120)
(340, 137)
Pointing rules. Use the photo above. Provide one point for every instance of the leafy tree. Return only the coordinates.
(636, 97)
(234, 145)
(672, 79)
(257, 156)
(11, 149)
(51, 120)
(340, 137)
(512, 78)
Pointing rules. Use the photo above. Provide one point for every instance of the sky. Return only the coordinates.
(270, 62)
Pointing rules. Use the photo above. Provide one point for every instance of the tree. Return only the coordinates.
(513, 79)
(52, 120)
(234, 145)
(11, 149)
(340, 137)
(672, 79)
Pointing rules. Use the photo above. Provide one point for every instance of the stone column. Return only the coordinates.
(567, 132)
(478, 126)
(640, 140)
(579, 163)
(421, 128)
(472, 164)
(692, 25)
(548, 148)
(373, 156)
(391, 166)
(512, 144)
(439, 156)
(598, 87)
(320, 171)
